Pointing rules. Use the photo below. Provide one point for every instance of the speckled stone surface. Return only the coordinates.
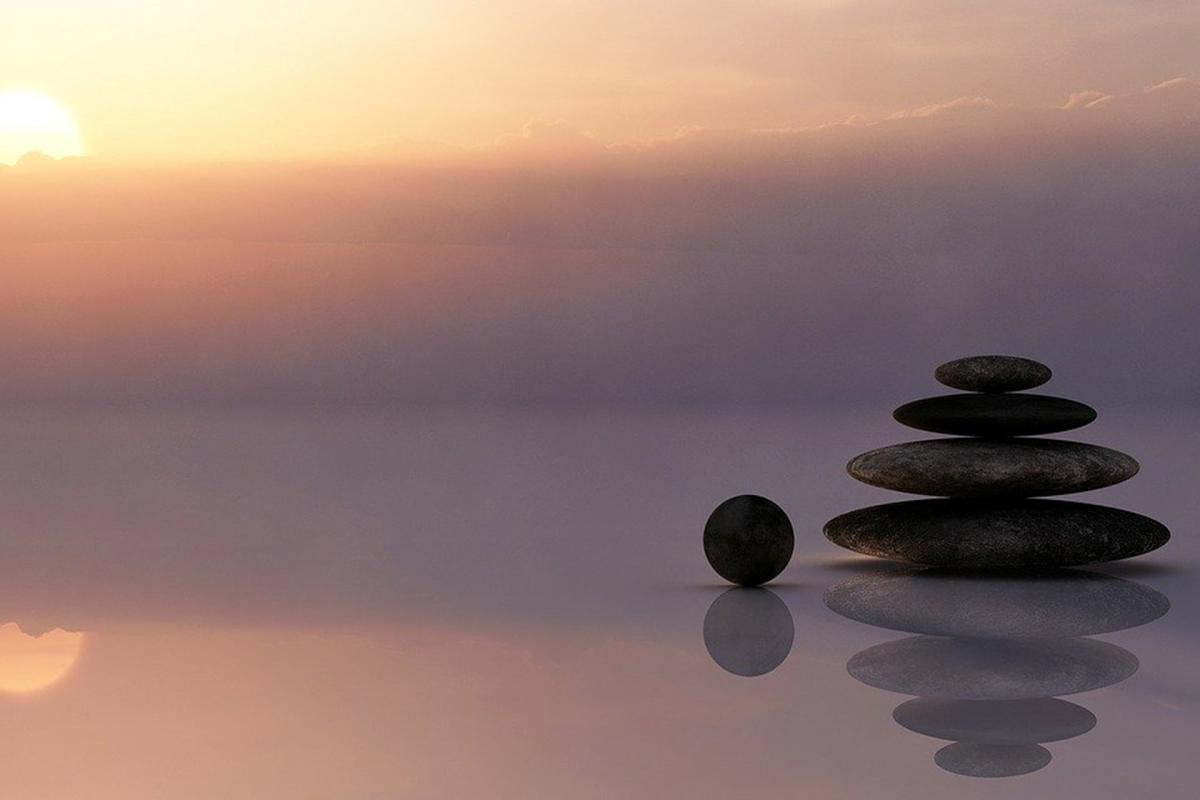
(1024, 721)
(949, 602)
(994, 414)
(996, 533)
(991, 468)
(978, 760)
(748, 540)
(992, 374)
(748, 631)
(991, 669)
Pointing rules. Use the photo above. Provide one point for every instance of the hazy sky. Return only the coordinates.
(763, 267)
(703, 202)
(319, 78)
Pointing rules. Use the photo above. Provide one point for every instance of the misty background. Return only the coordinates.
(821, 265)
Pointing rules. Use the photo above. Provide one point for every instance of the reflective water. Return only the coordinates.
(421, 604)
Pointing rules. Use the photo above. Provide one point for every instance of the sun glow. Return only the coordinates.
(29, 663)
(30, 121)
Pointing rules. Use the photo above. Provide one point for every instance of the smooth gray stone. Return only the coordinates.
(748, 540)
(992, 374)
(994, 414)
(989, 468)
(1027, 721)
(748, 631)
(945, 602)
(991, 669)
(975, 760)
(996, 533)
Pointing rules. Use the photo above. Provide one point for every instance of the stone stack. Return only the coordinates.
(987, 474)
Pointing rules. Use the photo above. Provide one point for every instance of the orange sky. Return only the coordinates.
(317, 78)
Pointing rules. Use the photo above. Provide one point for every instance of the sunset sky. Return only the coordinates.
(204, 79)
(549, 202)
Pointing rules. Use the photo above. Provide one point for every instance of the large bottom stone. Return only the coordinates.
(996, 533)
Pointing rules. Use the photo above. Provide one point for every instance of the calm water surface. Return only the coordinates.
(443, 604)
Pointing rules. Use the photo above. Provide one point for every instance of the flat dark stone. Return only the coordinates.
(991, 468)
(994, 414)
(1007, 604)
(748, 540)
(996, 533)
(977, 760)
(1026, 721)
(991, 669)
(748, 631)
(992, 374)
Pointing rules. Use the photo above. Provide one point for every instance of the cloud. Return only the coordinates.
(958, 105)
(1169, 103)
(555, 137)
(1086, 99)
(1181, 85)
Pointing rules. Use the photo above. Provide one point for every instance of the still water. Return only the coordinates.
(367, 605)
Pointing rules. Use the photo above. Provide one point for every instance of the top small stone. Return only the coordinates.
(992, 374)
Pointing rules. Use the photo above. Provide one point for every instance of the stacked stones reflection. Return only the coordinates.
(992, 654)
(988, 477)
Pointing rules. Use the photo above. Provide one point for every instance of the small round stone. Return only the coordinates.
(976, 760)
(748, 631)
(748, 540)
(992, 374)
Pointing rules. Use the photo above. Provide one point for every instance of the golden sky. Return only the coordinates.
(198, 79)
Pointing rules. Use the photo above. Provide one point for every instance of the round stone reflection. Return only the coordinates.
(748, 631)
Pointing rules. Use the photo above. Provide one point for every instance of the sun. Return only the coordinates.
(29, 663)
(31, 121)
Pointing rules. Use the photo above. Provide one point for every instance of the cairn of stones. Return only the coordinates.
(986, 476)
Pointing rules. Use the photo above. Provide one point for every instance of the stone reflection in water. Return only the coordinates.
(748, 631)
(992, 669)
(1036, 719)
(993, 652)
(978, 760)
(1043, 604)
